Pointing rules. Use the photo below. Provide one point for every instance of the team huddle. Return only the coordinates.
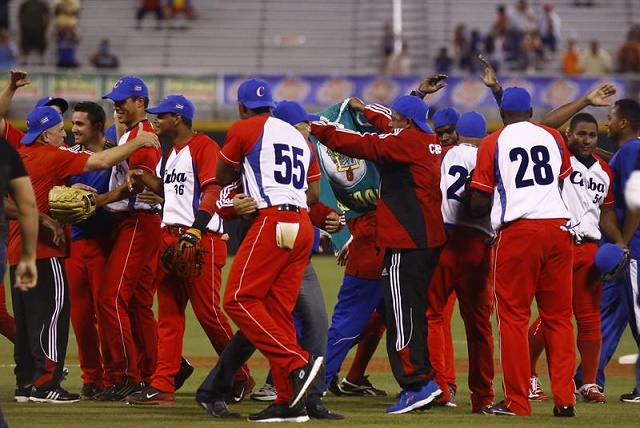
(492, 220)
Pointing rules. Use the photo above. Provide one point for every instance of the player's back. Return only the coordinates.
(529, 162)
(277, 164)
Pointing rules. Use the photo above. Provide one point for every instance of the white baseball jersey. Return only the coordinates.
(145, 158)
(186, 172)
(276, 160)
(522, 165)
(457, 164)
(586, 191)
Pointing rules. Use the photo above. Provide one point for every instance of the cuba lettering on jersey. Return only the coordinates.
(457, 163)
(586, 191)
(276, 164)
(184, 171)
(119, 174)
(523, 162)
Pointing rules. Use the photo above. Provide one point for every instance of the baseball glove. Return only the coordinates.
(71, 205)
(185, 257)
(619, 270)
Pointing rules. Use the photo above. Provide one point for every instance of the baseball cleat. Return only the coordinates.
(358, 388)
(320, 411)
(564, 411)
(266, 393)
(633, 397)
(151, 396)
(498, 409)
(118, 392)
(56, 395)
(591, 393)
(280, 413)
(89, 390)
(535, 390)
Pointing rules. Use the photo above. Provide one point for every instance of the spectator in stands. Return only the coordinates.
(8, 51)
(596, 62)
(443, 61)
(66, 14)
(549, 27)
(628, 56)
(532, 50)
(462, 47)
(180, 7)
(103, 58)
(388, 45)
(33, 17)
(153, 6)
(494, 49)
(571, 59)
(68, 41)
(400, 63)
(501, 24)
(520, 19)
(4, 14)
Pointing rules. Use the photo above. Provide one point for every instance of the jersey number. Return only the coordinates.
(289, 158)
(462, 174)
(542, 172)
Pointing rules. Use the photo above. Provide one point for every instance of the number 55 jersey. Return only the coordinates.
(525, 163)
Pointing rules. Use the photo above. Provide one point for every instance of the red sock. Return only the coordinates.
(589, 356)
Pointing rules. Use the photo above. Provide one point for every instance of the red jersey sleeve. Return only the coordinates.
(146, 158)
(379, 116)
(204, 152)
(12, 135)
(240, 138)
(484, 176)
(68, 163)
(314, 173)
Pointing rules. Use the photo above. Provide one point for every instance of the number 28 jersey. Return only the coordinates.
(276, 160)
(522, 164)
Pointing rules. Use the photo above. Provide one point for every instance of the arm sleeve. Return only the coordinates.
(224, 204)
(379, 116)
(484, 177)
(146, 158)
(318, 213)
(233, 151)
(314, 167)
(69, 163)
(12, 135)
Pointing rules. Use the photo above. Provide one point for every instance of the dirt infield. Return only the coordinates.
(381, 365)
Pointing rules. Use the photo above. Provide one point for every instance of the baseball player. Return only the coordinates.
(409, 201)
(129, 332)
(267, 271)
(588, 195)
(466, 246)
(518, 169)
(14, 180)
(42, 316)
(188, 176)
(444, 125)
(618, 307)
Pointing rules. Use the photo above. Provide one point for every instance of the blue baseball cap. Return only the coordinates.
(472, 124)
(515, 99)
(53, 101)
(178, 104)
(444, 117)
(111, 135)
(293, 113)
(608, 257)
(39, 120)
(415, 109)
(128, 86)
(255, 93)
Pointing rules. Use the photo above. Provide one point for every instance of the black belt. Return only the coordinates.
(154, 211)
(289, 207)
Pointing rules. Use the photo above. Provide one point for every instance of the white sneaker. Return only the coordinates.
(535, 390)
(265, 393)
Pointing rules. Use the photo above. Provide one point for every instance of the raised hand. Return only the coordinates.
(489, 77)
(598, 97)
(432, 83)
(18, 79)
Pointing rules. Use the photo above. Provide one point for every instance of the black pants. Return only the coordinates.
(42, 326)
(406, 274)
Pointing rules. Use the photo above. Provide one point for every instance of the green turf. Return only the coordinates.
(360, 412)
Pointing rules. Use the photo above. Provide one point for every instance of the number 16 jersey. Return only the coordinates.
(525, 163)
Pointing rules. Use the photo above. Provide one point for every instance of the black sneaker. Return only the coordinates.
(334, 387)
(183, 374)
(89, 390)
(150, 397)
(319, 411)
(280, 413)
(499, 409)
(22, 393)
(359, 388)
(218, 409)
(240, 389)
(564, 411)
(118, 392)
(633, 397)
(55, 395)
(303, 377)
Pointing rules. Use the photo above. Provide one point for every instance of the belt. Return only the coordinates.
(288, 207)
(181, 230)
(154, 211)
